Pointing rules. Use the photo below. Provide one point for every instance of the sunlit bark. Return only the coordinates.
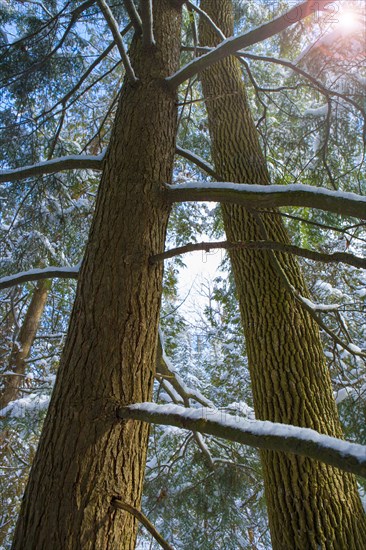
(310, 505)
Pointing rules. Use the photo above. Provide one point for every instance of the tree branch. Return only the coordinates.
(335, 257)
(285, 63)
(166, 370)
(231, 45)
(198, 161)
(133, 15)
(92, 162)
(207, 18)
(70, 162)
(38, 274)
(119, 503)
(113, 25)
(147, 24)
(309, 306)
(347, 456)
(269, 196)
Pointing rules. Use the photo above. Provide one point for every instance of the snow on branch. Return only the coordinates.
(198, 161)
(113, 26)
(38, 274)
(85, 162)
(70, 162)
(231, 45)
(269, 196)
(335, 257)
(350, 457)
(166, 370)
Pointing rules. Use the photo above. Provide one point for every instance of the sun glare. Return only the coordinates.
(348, 21)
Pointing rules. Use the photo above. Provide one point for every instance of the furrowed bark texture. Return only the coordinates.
(86, 456)
(23, 344)
(310, 505)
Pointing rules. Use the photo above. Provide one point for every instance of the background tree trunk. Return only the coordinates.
(86, 456)
(310, 505)
(23, 344)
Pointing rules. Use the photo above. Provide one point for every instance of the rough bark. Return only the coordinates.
(86, 457)
(310, 505)
(23, 344)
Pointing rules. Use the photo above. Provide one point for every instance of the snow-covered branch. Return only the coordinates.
(113, 26)
(269, 196)
(197, 160)
(166, 370)
(38, 274)
(70, 162)
(87, 162)
(347, 456)
(335, 257)
(233, 44)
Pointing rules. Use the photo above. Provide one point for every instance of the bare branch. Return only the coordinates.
(119, 503)
(147, 24)
(70, 162)
(269, 196)
(113, 25)
(133, 15)
(335, 257)
(231, 45)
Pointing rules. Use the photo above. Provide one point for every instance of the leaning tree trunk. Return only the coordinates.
(22, 345)
(86, 456)
(310, 505)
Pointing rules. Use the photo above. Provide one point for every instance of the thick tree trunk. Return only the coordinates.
(23, 344)
(310, 505)
(86, 456)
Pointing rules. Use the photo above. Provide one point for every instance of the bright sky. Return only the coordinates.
(201, 267)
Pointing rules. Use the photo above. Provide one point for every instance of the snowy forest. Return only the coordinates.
(140, 406)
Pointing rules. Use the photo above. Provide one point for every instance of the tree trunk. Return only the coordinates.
(23, 344)
(86, 456)
(310, 505)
